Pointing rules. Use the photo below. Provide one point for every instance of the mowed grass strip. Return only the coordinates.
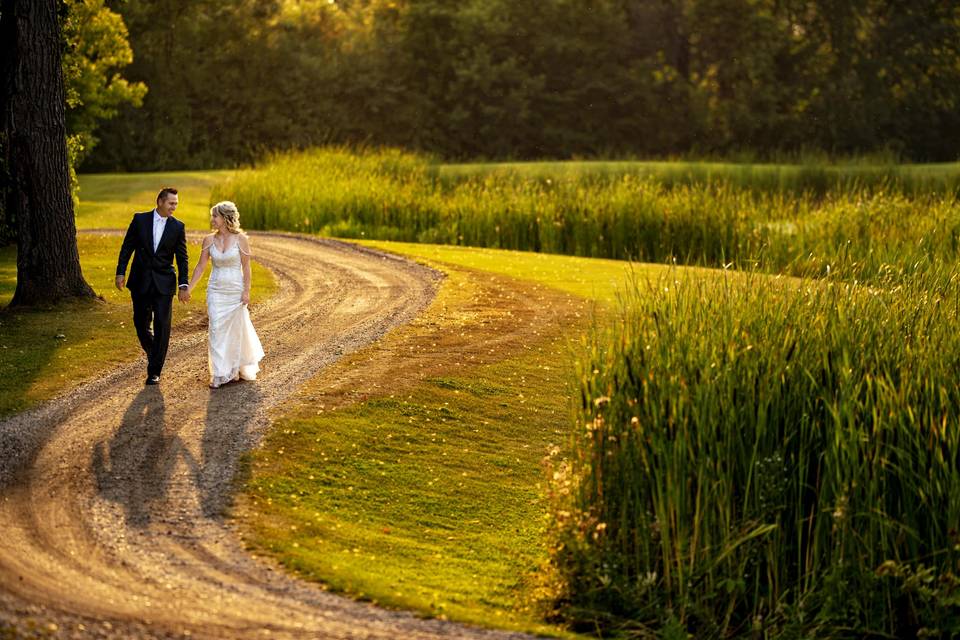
(596, 279)
(48, 351)
(108, 200)
(408, 473)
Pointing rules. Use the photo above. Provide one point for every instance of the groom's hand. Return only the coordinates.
(121, 280)
(183, 295)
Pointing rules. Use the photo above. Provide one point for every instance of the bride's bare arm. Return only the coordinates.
(201, 263)
(244, 245)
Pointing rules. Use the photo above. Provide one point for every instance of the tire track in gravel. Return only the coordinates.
(111, 496)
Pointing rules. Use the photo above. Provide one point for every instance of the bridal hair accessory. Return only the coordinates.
(230, 214)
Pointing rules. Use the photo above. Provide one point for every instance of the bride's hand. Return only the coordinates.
(245, 298)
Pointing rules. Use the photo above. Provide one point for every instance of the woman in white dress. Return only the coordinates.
(234, 348)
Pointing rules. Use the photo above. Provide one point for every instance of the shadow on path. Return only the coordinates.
(135, 466)
(227, 434)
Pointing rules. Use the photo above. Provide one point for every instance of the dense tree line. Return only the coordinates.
(229, 79)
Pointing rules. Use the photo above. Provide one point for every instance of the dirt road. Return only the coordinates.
(110, 497)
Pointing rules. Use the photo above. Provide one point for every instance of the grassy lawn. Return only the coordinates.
(45, 352)
(408, 473)
(108, 200)
(590, 278)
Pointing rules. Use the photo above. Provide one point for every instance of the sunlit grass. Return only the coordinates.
(424, 500)
(109, 200)
(591, 278)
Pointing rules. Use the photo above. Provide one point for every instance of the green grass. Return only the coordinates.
(861, 222)
(47, 351)
(424, 501)
(590, 278)
(109, 200)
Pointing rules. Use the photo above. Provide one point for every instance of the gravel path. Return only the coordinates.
(110, 496)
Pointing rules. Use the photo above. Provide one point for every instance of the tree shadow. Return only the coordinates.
(135, 466)
(231, 411)
(31, 342)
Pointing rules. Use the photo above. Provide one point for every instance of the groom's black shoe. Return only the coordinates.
(153, 380)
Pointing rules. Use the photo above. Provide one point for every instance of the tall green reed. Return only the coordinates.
(817, 176)
(766, 456)
(392, 195)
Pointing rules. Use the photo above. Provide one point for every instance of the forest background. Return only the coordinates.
(496, 79)
(177, 84)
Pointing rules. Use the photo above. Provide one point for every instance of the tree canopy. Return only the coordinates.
(96, 50)
(230, 79)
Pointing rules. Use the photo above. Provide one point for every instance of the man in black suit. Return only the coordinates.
(154, 238)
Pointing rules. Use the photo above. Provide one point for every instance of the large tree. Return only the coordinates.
(36, 176)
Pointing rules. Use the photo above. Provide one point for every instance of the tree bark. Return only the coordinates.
(38, 197)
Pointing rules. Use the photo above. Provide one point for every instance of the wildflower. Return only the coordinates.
(841, 510)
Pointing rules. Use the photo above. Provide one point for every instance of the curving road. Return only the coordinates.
(111, 496)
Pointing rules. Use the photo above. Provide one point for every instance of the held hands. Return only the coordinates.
(183, 295)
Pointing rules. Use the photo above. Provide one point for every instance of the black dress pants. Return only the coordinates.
(153, 308)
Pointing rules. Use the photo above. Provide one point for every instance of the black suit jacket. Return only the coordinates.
(154, 267)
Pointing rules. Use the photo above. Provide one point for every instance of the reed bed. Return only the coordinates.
(766, 458)
(863, 228)
(813, 176)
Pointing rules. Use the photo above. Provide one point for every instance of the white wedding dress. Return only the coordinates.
(234, 348)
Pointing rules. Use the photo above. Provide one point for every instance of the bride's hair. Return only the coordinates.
(228, 211)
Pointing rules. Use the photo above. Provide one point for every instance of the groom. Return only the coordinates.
(154, 238)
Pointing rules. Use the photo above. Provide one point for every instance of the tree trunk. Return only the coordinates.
(38, 198)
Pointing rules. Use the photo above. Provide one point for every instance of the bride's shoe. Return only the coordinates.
(235, 378)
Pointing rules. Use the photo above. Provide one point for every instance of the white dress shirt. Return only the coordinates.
(159, 224)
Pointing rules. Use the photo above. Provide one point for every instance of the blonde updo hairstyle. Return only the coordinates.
(228, 211)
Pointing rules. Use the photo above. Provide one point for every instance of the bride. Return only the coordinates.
(234, 348)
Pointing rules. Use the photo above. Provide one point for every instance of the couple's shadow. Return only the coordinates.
(137, 467)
